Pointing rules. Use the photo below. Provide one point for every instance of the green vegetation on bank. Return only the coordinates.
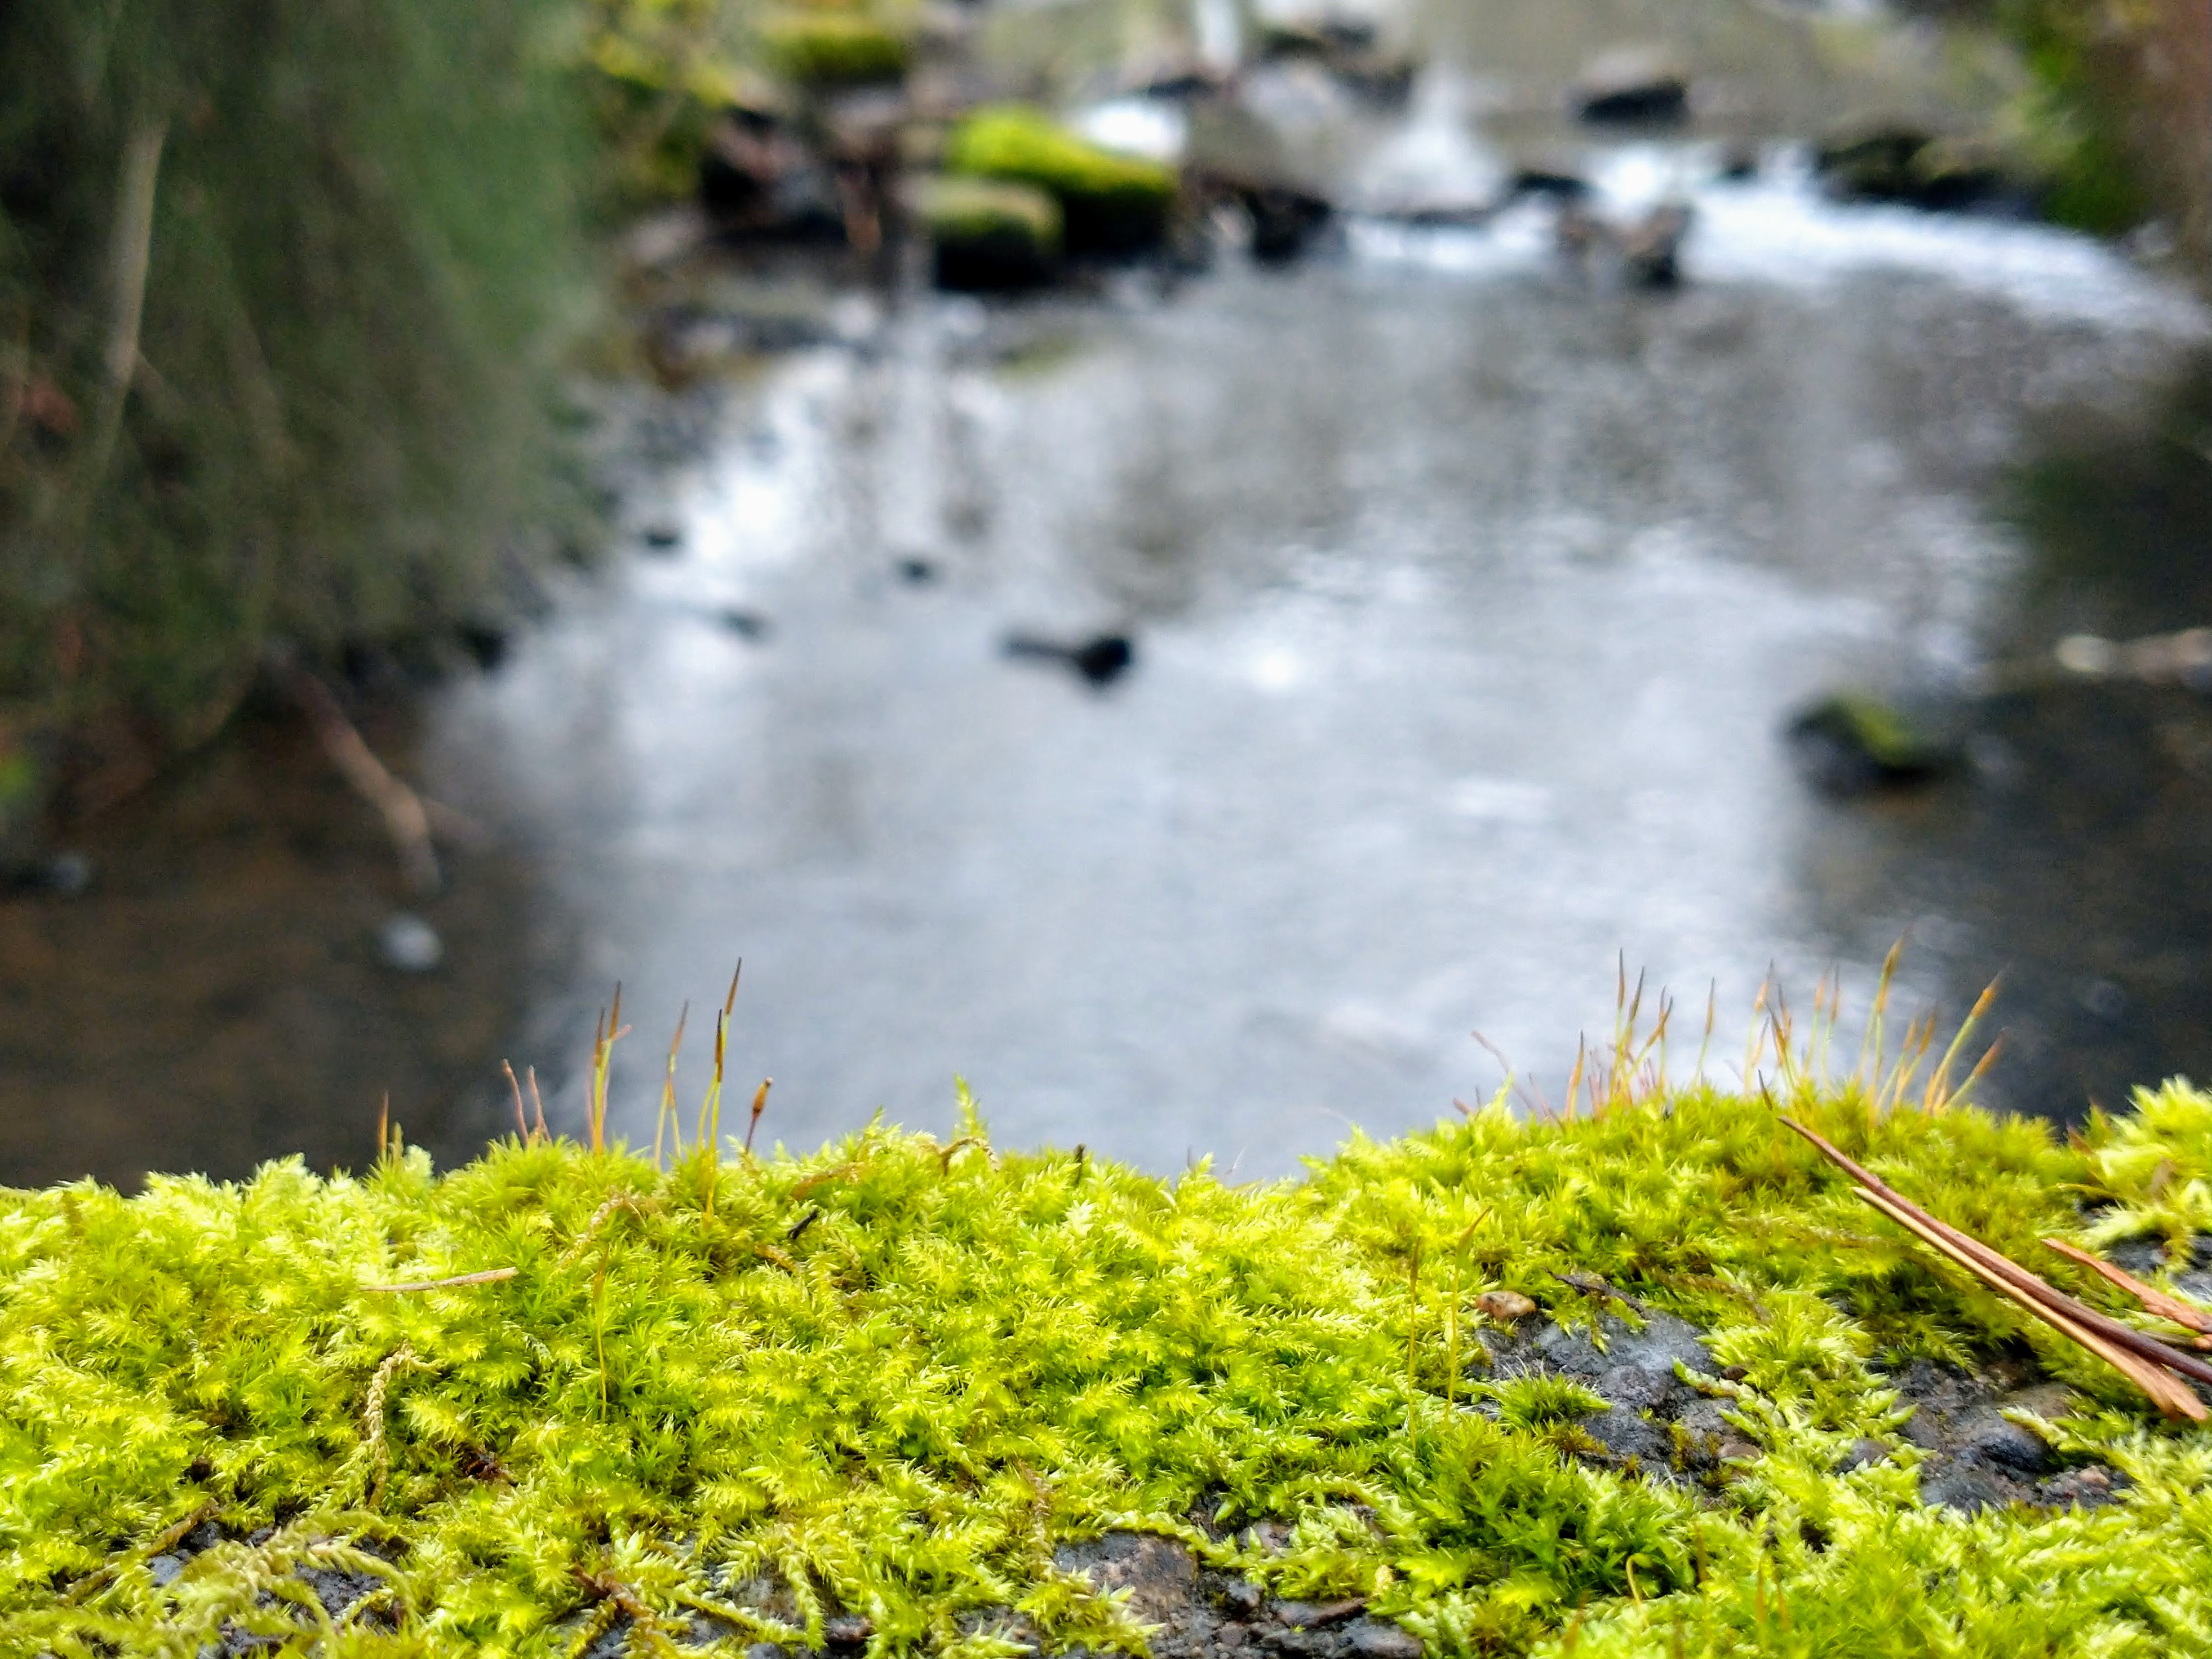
(892, 1376)
(2081, 58)
(281, 286)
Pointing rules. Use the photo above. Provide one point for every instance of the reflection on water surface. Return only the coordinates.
(1467, 598)
(1468, 603)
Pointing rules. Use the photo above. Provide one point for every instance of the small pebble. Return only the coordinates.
(1863, 1453)
(165, 1569)
(1505, 1306)
(409, 944)
(745, 624)
(1373, 1639)
(1243, 1594)
(68, 874)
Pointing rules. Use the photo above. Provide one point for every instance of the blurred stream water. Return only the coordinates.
(1468, 597)
(1468, 604)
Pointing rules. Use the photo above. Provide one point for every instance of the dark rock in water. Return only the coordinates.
(916, 572)
(1558, 184)
(1636, 85)
(1284, 221)
(1650, 248)
(989, 236)
(1173, 79)
(745, 624)
(662, 538)
(1921, 169)
(1101, 660)
(485, 643)
(1739, 163)
(1849, 745)
(1278, 218)
(757, 180)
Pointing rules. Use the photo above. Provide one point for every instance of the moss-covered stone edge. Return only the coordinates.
(893, 1377)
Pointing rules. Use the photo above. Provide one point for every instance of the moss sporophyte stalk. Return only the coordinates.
(543, 1404)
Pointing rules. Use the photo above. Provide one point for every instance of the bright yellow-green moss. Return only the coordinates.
(897, 1373)
(1112, 204)
(826, 47)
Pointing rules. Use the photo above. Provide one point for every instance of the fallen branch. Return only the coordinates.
(2143, 1360)
(406, 818)
(2155, 1301)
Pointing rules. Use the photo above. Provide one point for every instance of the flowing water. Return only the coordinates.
(1470, 596)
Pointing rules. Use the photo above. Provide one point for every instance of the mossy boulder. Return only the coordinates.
(989, 233)
(825, 48)
(1853, 742)
(1110, 204)
(1920, 169)
(1616, 1383)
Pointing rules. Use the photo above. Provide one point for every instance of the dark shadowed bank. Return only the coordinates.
(280, 285)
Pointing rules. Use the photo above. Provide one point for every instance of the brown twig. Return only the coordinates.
(2143, 1360)
(406, 819)
(489, 1276)
(2154, 1300)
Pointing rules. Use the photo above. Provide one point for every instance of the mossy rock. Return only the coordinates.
(990, 234)
(835, 48)
(1850, 743)
(1110, 204)
(874, 1393)
(1919, 169)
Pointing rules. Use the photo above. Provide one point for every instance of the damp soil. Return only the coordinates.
(218, 994)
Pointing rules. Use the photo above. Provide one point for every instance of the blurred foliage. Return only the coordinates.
(2109, 151)
(281, 284)
(667, 68)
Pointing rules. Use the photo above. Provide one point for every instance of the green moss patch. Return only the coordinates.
(873, 1394)
(830, 48)
(1112, 204)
